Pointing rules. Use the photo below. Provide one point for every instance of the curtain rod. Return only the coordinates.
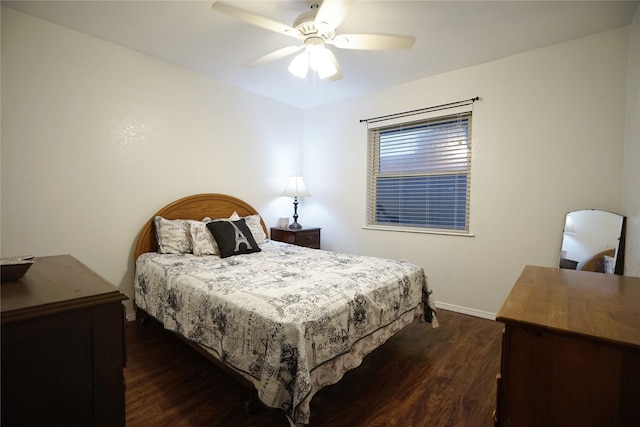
(421, 110)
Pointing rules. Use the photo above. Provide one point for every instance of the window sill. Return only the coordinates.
(418, 230)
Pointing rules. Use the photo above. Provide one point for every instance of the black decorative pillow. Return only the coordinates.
(233, 237)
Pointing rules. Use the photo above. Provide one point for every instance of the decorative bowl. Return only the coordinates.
(14, 268)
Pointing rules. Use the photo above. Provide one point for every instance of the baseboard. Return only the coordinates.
(466, 310)
(131, 317)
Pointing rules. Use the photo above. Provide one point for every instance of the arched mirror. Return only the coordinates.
(593, 240)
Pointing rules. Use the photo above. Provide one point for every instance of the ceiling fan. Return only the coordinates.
(315, 29)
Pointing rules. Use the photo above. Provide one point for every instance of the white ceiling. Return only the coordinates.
(449, 35)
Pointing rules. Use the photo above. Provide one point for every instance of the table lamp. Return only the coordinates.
(296, 189)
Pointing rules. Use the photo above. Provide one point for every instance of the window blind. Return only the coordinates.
(419, 174)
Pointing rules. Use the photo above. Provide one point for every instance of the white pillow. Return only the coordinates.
(253, 222)
(201, 238)
(173, 235)
(609, 264)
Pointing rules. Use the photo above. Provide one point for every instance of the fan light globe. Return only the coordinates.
(321, 62)
(300, 65)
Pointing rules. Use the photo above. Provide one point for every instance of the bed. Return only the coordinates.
(285, 320)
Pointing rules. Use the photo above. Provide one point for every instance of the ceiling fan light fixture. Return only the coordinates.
(316, 57)
(316, 28)
(300, 65)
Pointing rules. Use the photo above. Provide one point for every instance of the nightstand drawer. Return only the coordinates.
(306, 236)
(310, 239)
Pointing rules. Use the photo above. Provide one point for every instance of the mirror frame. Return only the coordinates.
(619, 250)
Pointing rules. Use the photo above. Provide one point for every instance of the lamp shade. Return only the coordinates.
(568, 225)
(296, 188)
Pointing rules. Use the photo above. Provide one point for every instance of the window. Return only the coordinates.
(419, 174)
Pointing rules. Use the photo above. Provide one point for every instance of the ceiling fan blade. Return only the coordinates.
(372, 41)
(338, 75)
(257, 20)
(331, 13)
(276, 54)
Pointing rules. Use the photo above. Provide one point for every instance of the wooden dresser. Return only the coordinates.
(62, 347)
(571, 350)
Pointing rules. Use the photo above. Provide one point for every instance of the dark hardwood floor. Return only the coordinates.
(420, 377)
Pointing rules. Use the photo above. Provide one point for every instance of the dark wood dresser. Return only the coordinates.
(306, 236)
(62, 347)
(571, 350)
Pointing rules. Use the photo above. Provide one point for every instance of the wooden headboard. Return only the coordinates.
(195, 207)
(596, 262)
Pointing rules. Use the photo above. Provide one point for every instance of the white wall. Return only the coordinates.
(631, 207)
(548, 138)
(96, 138)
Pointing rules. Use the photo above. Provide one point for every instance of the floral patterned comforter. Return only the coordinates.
(289, 318)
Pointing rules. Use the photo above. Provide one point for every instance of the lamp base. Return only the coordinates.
(295, 225)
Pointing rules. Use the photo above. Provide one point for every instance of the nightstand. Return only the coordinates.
(306, 236)
(568, 264)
